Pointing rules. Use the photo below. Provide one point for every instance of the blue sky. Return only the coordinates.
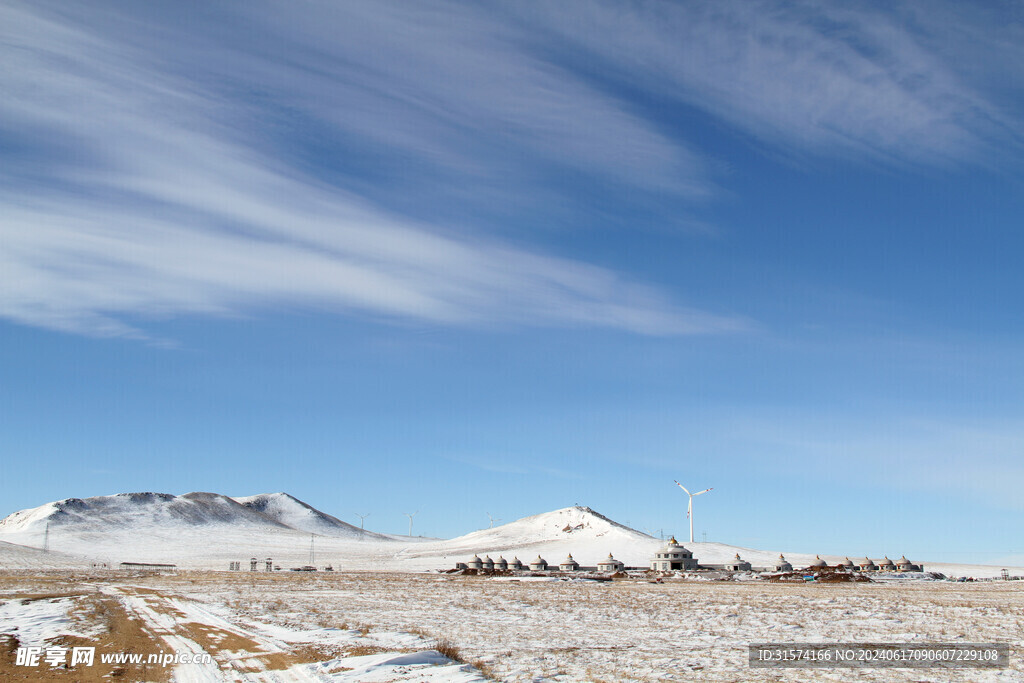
(504, 258)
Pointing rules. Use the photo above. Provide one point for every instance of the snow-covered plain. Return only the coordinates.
(239, 648)
(384, 626)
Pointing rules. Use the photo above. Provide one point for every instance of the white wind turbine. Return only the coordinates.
(689, 505)
(493, 519)
(362, 519)
(410, 519)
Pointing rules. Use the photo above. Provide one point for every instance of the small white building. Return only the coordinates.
(847, 564)
(488, 563)
(476, 563)
(516, 563)
(539, 565)
(738, 564)
(673, 557)
(569, 564)
(501, 563)
(610, 564)
(886, 565)
(866, 565)
(782, 564)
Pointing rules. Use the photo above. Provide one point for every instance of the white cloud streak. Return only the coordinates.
(148, 206)
(167, 163)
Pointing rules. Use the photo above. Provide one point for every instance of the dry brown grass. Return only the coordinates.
(449, 649)
(361, 650)
(485, 669)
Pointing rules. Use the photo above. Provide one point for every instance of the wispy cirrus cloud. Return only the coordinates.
(224, 159)
(870, 81)
(145, 183)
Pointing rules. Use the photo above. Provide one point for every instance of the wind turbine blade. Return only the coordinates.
(700, 492)
(682, 487)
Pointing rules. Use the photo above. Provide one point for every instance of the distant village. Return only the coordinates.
(674, 557)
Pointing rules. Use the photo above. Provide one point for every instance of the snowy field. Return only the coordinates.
(386, 615)
(370, 626)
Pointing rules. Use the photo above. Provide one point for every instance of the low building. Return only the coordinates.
(610, 564)
(818, 563)
(539, 565)
(847, 564)
(886, 565)
(476, 563)
(905, 565)
(738, 564)
(569, 564)
(501, 563)
(673, 557)
(867, 565)
(488, 563)
(516, 564)
(148, 567)
(782, 564)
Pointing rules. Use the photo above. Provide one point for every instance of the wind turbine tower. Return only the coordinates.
(362, 518)
(410, 519)
(689, 506)
(492, 519)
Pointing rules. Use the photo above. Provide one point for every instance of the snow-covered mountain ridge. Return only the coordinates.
(163, 510)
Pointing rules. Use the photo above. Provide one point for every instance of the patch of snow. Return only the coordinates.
(428, 666)
(35, 622)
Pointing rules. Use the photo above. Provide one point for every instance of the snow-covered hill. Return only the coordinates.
(136, 510)
(13, 556)
(292, 512)
(199, 530)
(574, 524)
(588, 535)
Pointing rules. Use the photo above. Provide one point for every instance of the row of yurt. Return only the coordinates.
(865, 565)
(884, 565)
(674, 557)
(609, 564)
(501, 564)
